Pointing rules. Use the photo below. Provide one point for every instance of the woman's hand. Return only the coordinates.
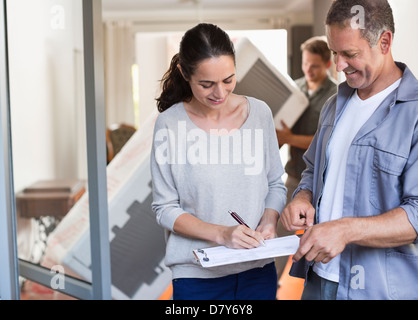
(241, 237)
(236, 237)
(268, 224)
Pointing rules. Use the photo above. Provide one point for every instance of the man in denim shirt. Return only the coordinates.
(358, 197)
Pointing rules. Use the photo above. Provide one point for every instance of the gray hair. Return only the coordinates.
(372, 17)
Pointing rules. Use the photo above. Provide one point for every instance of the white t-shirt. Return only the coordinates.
(355, 115)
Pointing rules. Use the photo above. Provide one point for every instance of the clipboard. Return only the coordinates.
(219, 256)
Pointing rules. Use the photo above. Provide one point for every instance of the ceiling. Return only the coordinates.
(115, 8)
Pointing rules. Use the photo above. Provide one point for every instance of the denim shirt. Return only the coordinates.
(382, 174)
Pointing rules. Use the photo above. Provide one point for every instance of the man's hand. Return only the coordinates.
(284, 135)
(300, 213)
(322, 242)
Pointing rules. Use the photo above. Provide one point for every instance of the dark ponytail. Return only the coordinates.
(202, 42)
(174, 87)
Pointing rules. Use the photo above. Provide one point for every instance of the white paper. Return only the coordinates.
(218, 256)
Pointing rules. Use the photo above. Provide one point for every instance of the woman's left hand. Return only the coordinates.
(268, 224)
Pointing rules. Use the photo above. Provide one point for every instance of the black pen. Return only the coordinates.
(240, 220)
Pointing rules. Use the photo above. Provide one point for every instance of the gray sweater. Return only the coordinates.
(206, 175)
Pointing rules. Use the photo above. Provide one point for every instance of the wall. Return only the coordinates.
(406, 23)
(321, 8)
(45, 86)
(152, 63)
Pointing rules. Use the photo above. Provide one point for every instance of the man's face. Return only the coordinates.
(313, 67)
(353, 55)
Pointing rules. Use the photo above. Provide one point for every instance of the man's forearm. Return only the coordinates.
(389, 230)
(304, 194)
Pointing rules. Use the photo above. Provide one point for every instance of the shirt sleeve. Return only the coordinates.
(410, 186)
(166, 204)
(276, 197)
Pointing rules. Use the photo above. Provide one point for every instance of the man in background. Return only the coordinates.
(318, 86)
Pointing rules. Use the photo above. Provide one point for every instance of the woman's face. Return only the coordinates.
(213, 81)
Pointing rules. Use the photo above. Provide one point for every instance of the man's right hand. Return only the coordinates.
(299, 213)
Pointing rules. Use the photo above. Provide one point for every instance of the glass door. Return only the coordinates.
(57, 182)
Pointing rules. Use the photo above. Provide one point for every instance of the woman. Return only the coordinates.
(214, 151)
